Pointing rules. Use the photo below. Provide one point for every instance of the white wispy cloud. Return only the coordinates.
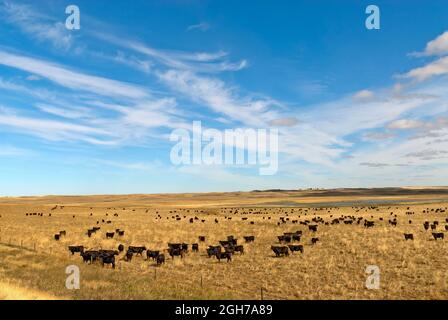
(202, 26)
(405, 124)
(438, 46)
(72, 79)
(37, 25)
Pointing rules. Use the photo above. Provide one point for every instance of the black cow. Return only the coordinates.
(175, 245)
(63, 233)
(284, 238)
(74, 249)
(152, 254)
(108, 259)
(108, 252)
(369, 224)
(160, 259)
(314, 240)
(280, 250)
(195, 247)
(128, 256)
(202, 238)
(137, 250)
(176, 252)
(225, 243)
(296, 247)
(312, 228)
(239, 249)
(213, 250)
(120, 247)
(249, 238)
(90, 256)
(408, 236)
(224, 255)
(110, 235)
(438, 235)
(57, 237)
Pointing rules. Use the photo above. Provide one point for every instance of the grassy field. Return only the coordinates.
(32, 263)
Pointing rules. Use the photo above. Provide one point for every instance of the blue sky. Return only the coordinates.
(90, 111)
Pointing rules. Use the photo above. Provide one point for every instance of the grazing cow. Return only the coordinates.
(296, 237)
(121, 233)
(224, 255)
(408, 236)
(175, 245)
(225, 243)
(284, 238)
(446, 227)
(160, 259)
(249, 238)
(152, 254)
(63, 233)
(213, 250)
(56, 237)
(369, 224)
(89, 256)
(280, 250)
(312, 228)
(239, 249)
(110, 235)
(433, 227)
(438, 235)
(314, 240)
(74, 249)
(108, 259)
(176, 252)
(108, 252)
(120, 247)
(137, 250)
(426, 225)
(185, 247)
(128, 256)
(202, 238)
(296, 247)
(195, 247)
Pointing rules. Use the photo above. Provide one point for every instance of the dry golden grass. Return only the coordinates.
(332, 269)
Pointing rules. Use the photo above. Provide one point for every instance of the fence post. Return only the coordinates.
(155, 274)
(201, 281)
(261, 291)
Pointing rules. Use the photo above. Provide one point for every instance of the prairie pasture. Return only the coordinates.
(33, 263)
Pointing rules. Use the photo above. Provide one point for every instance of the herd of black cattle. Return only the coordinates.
(289, 242)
